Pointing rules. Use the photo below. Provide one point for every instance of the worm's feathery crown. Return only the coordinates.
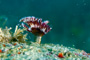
(36, 26)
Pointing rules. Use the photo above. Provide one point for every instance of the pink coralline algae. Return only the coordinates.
(36, 26)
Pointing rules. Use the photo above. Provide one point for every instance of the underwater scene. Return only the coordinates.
(44, 29)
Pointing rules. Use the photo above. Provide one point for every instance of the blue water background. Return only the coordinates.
(69, 19)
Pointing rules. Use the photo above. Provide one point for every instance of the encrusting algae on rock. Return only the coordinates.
(13, 46)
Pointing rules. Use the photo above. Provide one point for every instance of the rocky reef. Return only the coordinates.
(35, 51)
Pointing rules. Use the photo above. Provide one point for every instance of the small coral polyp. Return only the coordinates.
(36, 26)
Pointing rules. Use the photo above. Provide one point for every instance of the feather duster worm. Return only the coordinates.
(36, 26)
